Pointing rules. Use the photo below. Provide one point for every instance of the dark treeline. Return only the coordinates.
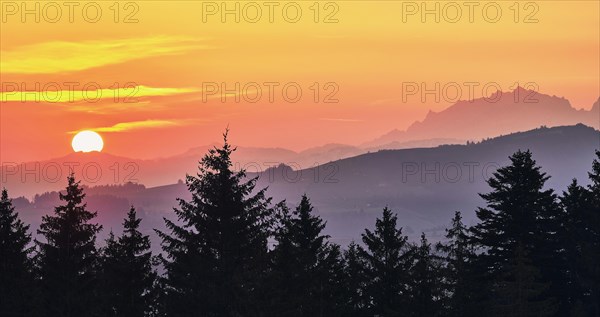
(232, 252)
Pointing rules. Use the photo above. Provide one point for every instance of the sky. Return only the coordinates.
(156, 78)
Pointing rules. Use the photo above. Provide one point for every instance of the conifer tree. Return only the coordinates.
(458, 254)
(577, 220)
(591, 254)
(216, 253)
(332, 297)
(582, 218)
(127, 270)
(387, 257)
(16, 276)
(309, 268)
(68, 259)
(354, 282)
(283, 266)
(425, 282)
(520, 213)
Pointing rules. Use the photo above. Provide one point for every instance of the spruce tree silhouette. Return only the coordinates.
(387, 259)
(68, 260)
(520, 213)
(128, 276)
(579, 239)
(216, 255)
(307, 267)
(590, 253)
(425, 282)
(354, 282)
(16, 276)
(458, 254)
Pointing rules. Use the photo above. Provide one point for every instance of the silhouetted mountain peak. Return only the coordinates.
(279, 169)
(499, 113)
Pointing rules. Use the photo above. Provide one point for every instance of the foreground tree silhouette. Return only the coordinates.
(216, 255)
(425, 282)
(591, 254)
(582, 219)
(387, 259)
(307, 268)
(354, 282)
(128, 277)
(519, 226)
(459, 283)
(16, 277)
(578, 220)
(68, 260)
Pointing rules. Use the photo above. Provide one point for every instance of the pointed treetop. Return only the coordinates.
(423, 238)
(7, 210)
(10, 218)
(132, 222)
(522, 174)
(74, 193)
(218, 159)
(388, 221)
(304, 208)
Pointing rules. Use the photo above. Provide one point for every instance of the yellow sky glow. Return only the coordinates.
(62, 56)
(368, 49)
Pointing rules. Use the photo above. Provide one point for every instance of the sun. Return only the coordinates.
(87, 141)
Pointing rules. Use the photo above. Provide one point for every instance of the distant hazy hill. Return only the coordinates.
(424, 185)
(96, 168)
(465, 120)
(519, 110)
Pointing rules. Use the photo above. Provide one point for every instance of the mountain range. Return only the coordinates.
(501, 113)
(519, 110)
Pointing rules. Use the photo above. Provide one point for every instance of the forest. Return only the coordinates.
(232, 251)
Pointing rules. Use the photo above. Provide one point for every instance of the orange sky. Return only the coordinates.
(176, 53)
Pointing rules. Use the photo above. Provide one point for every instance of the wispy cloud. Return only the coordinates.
(120, 95)
(138, 125)
(61, 56)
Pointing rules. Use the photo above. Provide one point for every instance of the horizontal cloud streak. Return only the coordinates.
(61, 56)
(138, 125)
(122, 94)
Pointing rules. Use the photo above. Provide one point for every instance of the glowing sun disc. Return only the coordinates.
(87, 141)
